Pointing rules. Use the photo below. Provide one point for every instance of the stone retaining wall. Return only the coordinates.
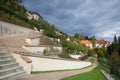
(108, 77)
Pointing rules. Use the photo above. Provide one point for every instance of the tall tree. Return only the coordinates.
(119, 39)
(115, 39)
(114, 62)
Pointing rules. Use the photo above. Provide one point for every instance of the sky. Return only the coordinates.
(88, 17)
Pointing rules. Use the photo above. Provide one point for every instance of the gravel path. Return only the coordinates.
(55, 75)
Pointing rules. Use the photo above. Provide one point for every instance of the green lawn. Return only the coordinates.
(92, 75)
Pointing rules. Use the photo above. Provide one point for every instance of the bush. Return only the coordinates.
(65, 55)
(100, 53)
(83, 58)
(91, 53)
(45, 52)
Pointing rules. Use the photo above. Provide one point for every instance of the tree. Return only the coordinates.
(76, 35)
(86, 37)
(114, 62)
(93, 40)
(100, 52)
(115, 39)
(119, 39)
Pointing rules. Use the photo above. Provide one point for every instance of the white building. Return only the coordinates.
(100, 43)
(33, 15)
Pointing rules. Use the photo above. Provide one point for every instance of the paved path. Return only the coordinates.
(55, 75)
(45, 64)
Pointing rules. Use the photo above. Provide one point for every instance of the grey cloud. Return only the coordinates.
(89, 17)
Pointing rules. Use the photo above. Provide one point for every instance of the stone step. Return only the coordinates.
(9, 65)
(6, 61)
(5, 57)
(10, 70)
(5, 77)
(4, 54)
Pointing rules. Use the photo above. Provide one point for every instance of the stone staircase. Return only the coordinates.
(8, 67)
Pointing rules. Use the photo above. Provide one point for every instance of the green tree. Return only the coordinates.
(119, 39)
(115, 39)
(71, 47)
(100, 52)
(76, 35)
(114, 62)
(93, 40)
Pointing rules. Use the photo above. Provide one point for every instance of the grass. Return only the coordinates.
(103, 65)
(38, 72)
(95, 74)
(65, 55)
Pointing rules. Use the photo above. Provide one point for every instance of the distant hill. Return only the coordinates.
(11, 11)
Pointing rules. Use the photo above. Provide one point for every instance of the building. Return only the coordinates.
(68, 39)
(33, 15)
(100, 43)
(87, 43)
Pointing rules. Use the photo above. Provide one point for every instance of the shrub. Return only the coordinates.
(45, 52)
(83, 58)
(100, 53)
(91, 53)
(65, 55)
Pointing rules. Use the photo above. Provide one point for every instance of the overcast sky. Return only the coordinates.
(88, 17)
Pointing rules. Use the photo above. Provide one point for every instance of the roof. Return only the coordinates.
(102, 42)
(85, 42)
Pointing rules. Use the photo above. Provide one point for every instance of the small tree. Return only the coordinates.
(93, 40)
(100, 53)
(45, 52)
(76, 36)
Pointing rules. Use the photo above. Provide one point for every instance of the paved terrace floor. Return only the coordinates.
(55, 75)
(45, 64)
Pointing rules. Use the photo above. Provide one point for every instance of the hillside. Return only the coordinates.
(11, 11)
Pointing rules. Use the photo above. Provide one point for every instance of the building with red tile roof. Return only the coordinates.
(100, 43)
(87, 43)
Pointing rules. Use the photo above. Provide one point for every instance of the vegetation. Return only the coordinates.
(103, 64)
(100, 52)
(76, 36)
(113, 56)
(38, 72)
(93, 40)
(95, 74)
(70, 47)
(65, 55)
(45, 52)
(92, 75)
(91, 53)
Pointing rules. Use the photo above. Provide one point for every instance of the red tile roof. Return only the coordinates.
(102, 42)
(85, 42)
